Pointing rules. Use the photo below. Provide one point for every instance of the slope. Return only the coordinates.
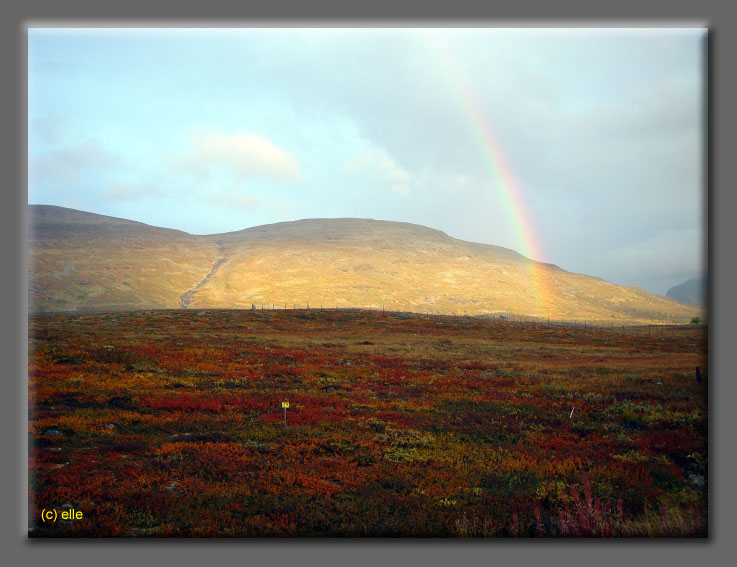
(85, 261)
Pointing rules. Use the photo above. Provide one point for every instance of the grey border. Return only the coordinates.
(718, 16)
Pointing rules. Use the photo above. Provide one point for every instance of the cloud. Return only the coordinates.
(50, 128)
(600, 128)
(243, 154)
(68, 164)
(229, 197)
(668, 256)
(237, 198)
(123, 191)
(378, 164)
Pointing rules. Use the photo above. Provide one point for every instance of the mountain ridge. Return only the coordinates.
(691, 292)
(86, 261)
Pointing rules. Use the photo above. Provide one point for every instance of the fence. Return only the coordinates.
(636, 327)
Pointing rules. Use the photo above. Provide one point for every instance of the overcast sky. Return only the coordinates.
(600, 134)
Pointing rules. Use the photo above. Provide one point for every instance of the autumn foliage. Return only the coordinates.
(169, 423)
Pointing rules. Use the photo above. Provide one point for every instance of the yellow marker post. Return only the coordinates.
(285, 405)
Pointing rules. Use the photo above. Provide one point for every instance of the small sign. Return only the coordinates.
(285, 405)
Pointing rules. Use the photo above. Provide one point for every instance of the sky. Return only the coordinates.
(584, 148)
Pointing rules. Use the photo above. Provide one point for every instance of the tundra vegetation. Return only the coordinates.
(170, 423)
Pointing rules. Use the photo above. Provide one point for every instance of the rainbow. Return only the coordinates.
(501, 173)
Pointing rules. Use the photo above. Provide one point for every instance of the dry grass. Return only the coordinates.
(83, 263)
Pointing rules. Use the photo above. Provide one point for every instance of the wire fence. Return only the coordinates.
(627, 326)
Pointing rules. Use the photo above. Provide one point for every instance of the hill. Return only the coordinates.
(84, 261)
(691, 292)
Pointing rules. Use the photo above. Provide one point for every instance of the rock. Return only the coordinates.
(697, 481)
(53, 432)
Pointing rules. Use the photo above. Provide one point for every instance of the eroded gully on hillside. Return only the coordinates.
(186, 298)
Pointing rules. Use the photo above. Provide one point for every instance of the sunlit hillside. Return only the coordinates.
(82, 261)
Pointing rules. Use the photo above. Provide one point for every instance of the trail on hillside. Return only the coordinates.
(187, 296)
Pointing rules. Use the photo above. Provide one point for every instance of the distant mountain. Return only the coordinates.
(83, 261)
(691, 292)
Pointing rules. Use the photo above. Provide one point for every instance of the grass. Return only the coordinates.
(169, 423)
